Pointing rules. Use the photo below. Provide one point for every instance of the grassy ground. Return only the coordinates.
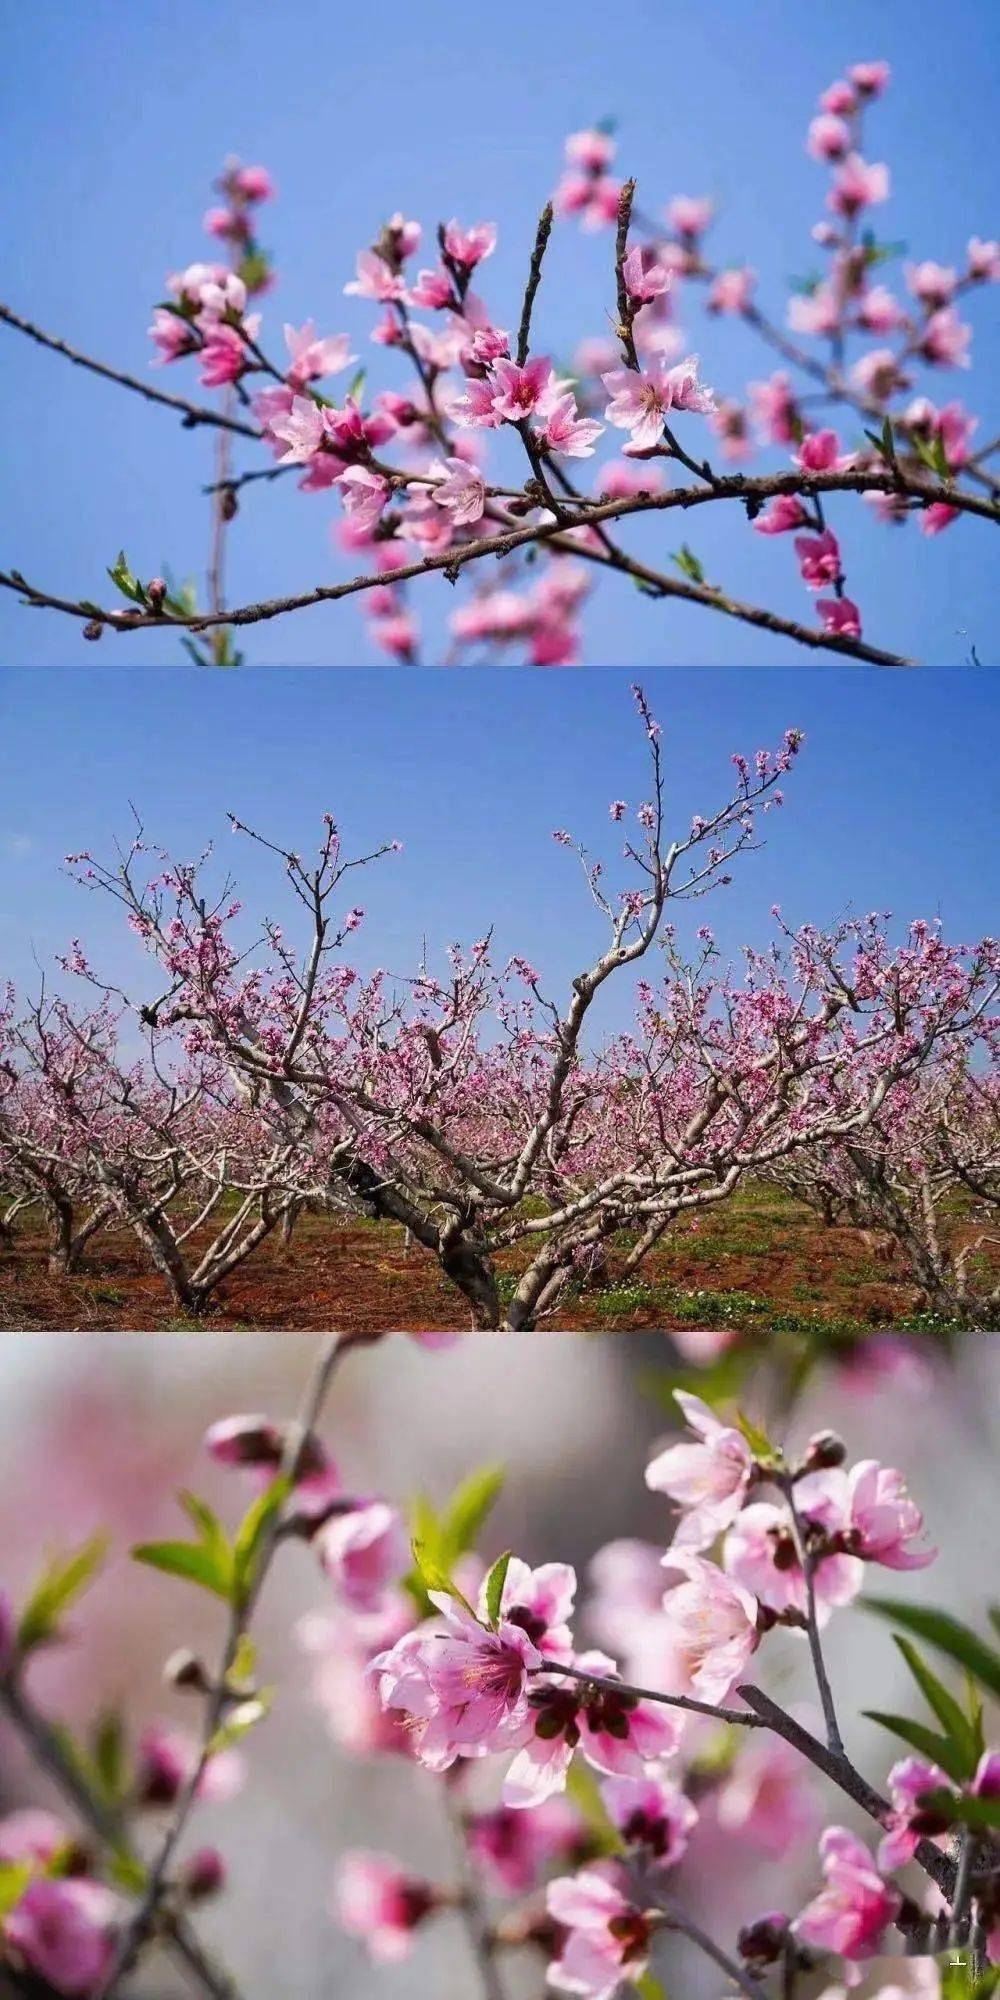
(760, 1261)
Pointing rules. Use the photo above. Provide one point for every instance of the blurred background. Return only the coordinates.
(118, 119)
(99, 1431)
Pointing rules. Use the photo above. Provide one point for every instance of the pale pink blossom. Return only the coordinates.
(851, 1915)
(312, 356)
(641, 400)
(165, 1760)
(469, 246)
(364, 494)
(464, 1688)
(819, 452)
(869, 78)
(518, 391)
(460, 489)
(513, 1848)
(652, 1813)
(711, 1623)
(773, 409)
(907, 1782)
(607, 1935)
(731, 291)
(780, 515)
(253, 183)
(878, 374)
(984, 259)
(172, 335)
(933, 284)
(591, 149)
(375, 279)
(763, 1798)
(839, 98)
(302, 431)
(377, 1902)
(689, 214)
(839, 616)
(397, 635)
(760, 1554)
(884, 1520)
(819, 559)
(617, 1733)
(946, 339)
(645, 277)
(878, 311)
(818, 311)
(224, 357)
(566, 433)
(63, 1930)
(31, 1834)
(541, 1602)
(857, 184)
(364, 1552)
(829, 137)
(708, 1480)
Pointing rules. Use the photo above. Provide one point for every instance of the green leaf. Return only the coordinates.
(188, 1559)
(127, 1871)
(124, 580)
(494, 1586)
(108, 1756)
(467, 1510)
(959, 1981)
(688, 564)
(434, 1577)
(583, 1792)
(245, 1716)
(938, 1749)
(356, 385)
(952, 1718)
(253, 1531)
(948, 1634)
(63, 1579)
(966, 1811)
(14, 1879)
(760, 1444)
(650, 1988)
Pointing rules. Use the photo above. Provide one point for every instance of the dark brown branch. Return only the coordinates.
(192, 414)
(542, 235)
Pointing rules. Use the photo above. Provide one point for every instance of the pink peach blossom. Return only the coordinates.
(63, 1930)
(840, 615)
(377, 1902)
(645, 277)
(858, 185)
(607, 1935)
(364, 1552)
(852, 1914)
(652, 1813)
(711, 1622)
(709, 1480)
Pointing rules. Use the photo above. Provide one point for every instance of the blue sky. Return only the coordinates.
(121, 117)
(891, 807)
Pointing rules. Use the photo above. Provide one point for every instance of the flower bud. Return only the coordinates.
(204, 1874)
(824, 1451)
(93, 628)
(156, 591)
(185, 1670)
(763, 1941)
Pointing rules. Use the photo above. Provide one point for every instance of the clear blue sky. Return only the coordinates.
(893, 804)
(116, 119)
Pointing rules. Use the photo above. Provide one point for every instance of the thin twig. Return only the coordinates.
(192, 413)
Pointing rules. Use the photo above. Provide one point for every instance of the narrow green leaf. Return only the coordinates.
(63, 1579)
(14, 1879)
(108, 1755)
(469, 1507)
(582, 1791)
(937, 1748)
(966, 1811)
(948, 1634)
(189, 1560)
(943, 1705)
(253, 1530)
(494, 1586)
(760, 1444)
(436, 1578)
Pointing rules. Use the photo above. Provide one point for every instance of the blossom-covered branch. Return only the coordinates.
(408, 463)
